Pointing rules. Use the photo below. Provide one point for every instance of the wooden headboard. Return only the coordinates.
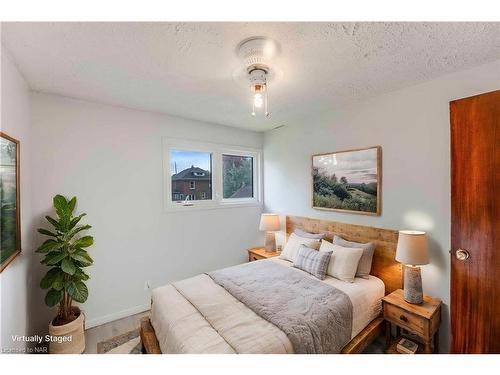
(384, 265)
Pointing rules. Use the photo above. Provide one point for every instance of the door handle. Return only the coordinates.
(462, 254)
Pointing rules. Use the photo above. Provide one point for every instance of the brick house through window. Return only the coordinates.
(194, 182)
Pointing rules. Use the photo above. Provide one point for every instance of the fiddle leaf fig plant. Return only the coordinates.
(66, 255)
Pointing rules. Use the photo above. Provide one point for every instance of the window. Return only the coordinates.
(237, 176)
(190, 170)
(205, 175)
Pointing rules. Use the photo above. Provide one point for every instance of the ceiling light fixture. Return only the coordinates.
(258, 84)
(256, 53)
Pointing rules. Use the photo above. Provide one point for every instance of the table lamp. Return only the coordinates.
(270, 223)
(412, 252)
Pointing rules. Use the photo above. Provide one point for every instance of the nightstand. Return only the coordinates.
(421, 321)
(257, 253)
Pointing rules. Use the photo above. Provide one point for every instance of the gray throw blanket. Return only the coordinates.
(316, 317)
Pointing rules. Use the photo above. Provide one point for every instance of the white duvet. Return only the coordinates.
(197, 315)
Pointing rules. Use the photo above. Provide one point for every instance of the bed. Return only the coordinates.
(199, 315)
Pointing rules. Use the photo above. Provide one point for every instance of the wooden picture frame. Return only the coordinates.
(323, 173)
(6, 178)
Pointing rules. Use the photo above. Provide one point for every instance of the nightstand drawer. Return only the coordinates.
(405, 319)
(253, 257)
(421, 320)
(257, 253)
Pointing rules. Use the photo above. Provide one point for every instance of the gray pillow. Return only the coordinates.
(312, 261)
(304, 234)
(365, 263)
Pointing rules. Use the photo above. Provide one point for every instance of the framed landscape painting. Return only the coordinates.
(10, 226)
(348, 181)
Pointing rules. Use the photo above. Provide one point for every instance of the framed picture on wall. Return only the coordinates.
(10, 223)
(348, 181)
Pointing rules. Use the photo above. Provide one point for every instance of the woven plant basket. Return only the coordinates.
(73, 330)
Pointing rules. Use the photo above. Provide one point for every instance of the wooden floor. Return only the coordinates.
(111, 329)
(118, 327)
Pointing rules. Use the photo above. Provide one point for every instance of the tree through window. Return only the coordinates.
(237, 172)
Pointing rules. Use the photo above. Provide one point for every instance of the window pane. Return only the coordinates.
(191, 175)
(237, 172)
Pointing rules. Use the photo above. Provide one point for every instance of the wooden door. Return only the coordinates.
(475, 224)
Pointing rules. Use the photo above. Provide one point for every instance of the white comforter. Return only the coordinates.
(197, 315)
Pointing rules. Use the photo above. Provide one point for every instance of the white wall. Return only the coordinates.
(412, 126)
(16, 280)
(111, 159)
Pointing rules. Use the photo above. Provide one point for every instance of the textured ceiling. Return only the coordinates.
(187, 69)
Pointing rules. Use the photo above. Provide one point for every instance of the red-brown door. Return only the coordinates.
(475, 224)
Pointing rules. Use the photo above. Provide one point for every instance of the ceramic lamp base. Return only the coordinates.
(270, 242)
(413, 285)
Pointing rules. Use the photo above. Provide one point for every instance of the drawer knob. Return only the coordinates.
(462, 254)
(403, 318)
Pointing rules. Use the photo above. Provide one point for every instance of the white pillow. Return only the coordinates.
(344, 261)
(293, 244)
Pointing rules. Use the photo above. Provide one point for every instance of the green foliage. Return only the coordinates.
(330, 193)
(370, 188)
(65, 253)
(53, 297)
(328, 186)
(8, 222)
(326, 201)
(78, 291)
(237, 173)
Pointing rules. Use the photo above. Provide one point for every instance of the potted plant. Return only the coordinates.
(65, 254)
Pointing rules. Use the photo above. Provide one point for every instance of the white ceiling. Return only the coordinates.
(187, 69)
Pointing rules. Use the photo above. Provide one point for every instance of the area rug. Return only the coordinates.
(127, 343)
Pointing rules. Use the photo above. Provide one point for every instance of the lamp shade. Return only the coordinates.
(412, 248)
(269, 222)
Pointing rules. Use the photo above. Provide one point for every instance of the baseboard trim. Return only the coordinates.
(90, 323)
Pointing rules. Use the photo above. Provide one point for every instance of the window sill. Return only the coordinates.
(170, 208)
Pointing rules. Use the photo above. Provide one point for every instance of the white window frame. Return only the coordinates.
(193, 185)
(217, 150)
(255, 178)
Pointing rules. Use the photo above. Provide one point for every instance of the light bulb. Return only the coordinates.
(257, 100)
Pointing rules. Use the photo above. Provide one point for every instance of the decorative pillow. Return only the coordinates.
(312, 261)
(302, 233)
(344, 261)
(292, 246)
(365, 263)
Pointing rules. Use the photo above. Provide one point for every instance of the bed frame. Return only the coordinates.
(384, 266)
